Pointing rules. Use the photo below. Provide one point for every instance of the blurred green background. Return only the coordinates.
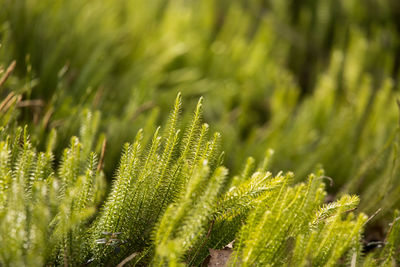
(316, 81)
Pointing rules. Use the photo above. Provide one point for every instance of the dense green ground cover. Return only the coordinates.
(288, 86)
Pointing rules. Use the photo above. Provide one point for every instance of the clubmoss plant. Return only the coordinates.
(171, 200)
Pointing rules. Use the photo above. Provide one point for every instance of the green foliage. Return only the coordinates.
(282, 234)
(147, 183)
(170, 201)
(43, 213)
(276, 75)
(297, 85)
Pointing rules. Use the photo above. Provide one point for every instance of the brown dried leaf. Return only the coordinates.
(219, 257)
